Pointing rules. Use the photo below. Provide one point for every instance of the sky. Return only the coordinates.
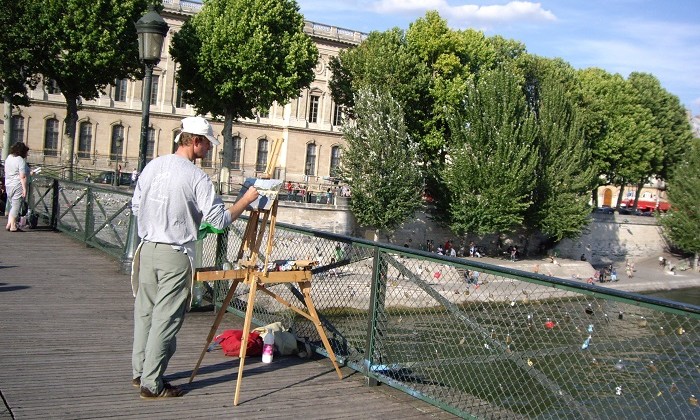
(620, 36)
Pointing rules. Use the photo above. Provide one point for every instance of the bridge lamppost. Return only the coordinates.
(151, 30)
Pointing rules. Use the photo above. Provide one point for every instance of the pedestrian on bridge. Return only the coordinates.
(172, 198)
(16, 182)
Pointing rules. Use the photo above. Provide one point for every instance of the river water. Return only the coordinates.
(691, 296)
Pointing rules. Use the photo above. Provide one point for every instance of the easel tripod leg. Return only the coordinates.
(215, 325)
(246, 331)
(306, 290)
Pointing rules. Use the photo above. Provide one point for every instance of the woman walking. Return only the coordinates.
(16, 182)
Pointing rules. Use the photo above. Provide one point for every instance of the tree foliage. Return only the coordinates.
(380, 162)
(669, 121)
(384, 62)
(682, 221)
(86, 45)
(20, 52)
(565, 175)
(490, 173)
(238, 56)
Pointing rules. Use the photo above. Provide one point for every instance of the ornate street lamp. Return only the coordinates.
(151, 30)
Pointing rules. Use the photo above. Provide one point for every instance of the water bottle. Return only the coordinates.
(268, 346)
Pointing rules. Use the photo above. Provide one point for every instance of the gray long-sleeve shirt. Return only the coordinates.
(172, 198)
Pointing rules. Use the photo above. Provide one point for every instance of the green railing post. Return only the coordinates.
(89, 216)
(54, 203)
(376, 327)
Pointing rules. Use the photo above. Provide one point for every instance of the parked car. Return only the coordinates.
(107, 177)
(604, 210)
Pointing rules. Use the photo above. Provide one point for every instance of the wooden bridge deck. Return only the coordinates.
(65, 350)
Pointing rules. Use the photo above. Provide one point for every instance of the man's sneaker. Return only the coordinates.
(136, 382)
(168, 391)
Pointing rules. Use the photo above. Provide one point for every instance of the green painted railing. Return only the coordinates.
(477, 340)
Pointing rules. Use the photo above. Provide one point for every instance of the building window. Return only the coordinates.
(120, 90)
(313, 108)
(154, 90)
(51, 137)
(17, 129)
(265, 113)
(261, 160)
(84, 140)
(179, 100)
(335, 161)
(150, 144)
(236, 157)
(337, 115)
(52, 87)
(117, 145)
(310, 159)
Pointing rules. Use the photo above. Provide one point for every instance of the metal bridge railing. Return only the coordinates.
(477, 340)
(95, 214)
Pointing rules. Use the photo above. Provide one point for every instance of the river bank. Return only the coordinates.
(648, 275)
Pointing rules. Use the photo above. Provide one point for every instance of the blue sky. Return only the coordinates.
(620, 36)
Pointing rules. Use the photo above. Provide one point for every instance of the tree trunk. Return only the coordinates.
(620, 195)
(596, 202)
(640, 185)
(695, 261)
(8, 127)
(68, 145)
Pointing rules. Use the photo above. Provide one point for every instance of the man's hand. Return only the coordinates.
(250, 195)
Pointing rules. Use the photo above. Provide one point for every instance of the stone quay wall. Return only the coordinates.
(609, 238)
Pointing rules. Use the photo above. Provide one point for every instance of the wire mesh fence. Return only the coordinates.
(476, 340)
(480, 340)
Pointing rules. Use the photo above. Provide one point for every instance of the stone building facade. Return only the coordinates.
(108, 129)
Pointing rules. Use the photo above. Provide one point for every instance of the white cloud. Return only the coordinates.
(668, 50)
(470, 14)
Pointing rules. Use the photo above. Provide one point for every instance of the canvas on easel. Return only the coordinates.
(268, 189)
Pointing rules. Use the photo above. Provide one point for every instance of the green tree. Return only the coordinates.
(669, 123)
(86, 45)
(491, 170)
(19, 50)
(454, 58)
(625, 145)
(565, 174)
(682, 222)
(384, 62)
(238, 56)
(427, 69)
(20, 55)
(380, 163)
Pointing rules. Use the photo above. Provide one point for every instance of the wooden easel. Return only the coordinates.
(257, 280)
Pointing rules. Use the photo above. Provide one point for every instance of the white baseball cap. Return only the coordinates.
(199, 126)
